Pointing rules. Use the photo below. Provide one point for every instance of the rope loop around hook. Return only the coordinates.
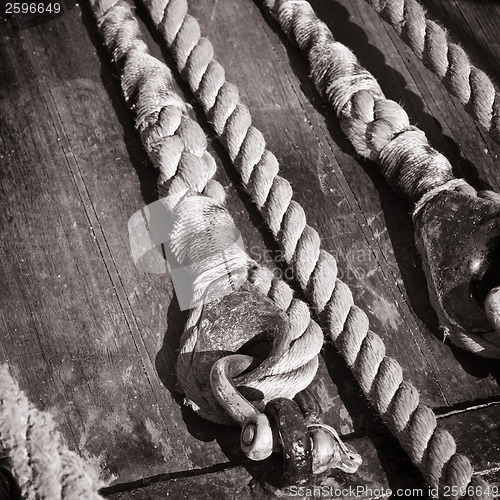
(237, 308)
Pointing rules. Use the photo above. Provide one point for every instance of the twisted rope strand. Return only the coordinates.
(447, 60)
(42, 465)
(378, 128)
(177, 146)
(432, 449)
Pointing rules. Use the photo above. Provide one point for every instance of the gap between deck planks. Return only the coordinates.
(72, 180)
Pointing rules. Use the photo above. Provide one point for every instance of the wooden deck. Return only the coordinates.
(92, 339)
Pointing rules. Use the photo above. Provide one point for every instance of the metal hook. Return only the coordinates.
(256, 436)
(281, 428)
(308, 446)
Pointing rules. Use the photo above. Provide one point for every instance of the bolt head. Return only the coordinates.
(248, 434)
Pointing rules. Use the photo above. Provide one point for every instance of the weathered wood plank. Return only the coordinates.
(74, 336)
(93, 339)
(476, 435)
(385, 470)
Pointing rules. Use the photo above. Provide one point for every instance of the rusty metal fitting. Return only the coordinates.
(458, 236)
(293, 439)
(309, 406)
(307, 445)
(330, 452)
(281, 428)
(328, 449)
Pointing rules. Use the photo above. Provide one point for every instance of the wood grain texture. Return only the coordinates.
(93, 339)
(386, 469)
(83, 326)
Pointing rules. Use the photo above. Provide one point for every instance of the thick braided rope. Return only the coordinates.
(378, 128)
(44, 468)
(447, 60)
(201, 226)
(432, 449)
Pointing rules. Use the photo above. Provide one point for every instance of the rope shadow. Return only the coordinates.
(138, 158)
